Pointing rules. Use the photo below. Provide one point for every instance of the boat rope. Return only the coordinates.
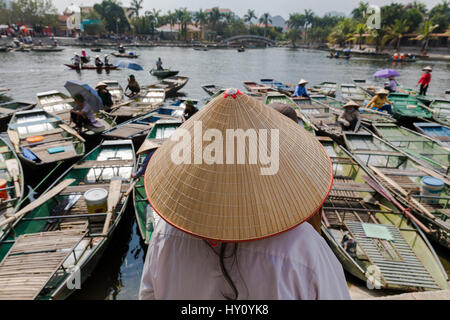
(39, 184)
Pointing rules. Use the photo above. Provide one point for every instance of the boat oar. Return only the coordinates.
(426, 108)
(403, 192)
(13, 168)
(14, 137)
(113, 200)
(71, 131)
(373, 184)
(38, 202)
(130, 188)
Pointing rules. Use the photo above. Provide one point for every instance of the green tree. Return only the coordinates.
(249, 16)
(112, 15)
(376, 36)
(426, 32)
(440, 14)
(294, 35)
(360, 30)
(37, 13)
(265, 19)
(342, 32)
(200, 19)
(360, 12)
(309, 20)
(395, 32)
(136, 6)
(413, 18)
(214, 18)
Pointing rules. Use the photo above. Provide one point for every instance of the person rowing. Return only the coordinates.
(133, 86)
(159, 64)
(350, 119)
(300, 91)
(106, 61)
(77, 61)
(98, 62)
(380, 102)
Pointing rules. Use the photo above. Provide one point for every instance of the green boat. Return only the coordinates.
(163, 73)
(279, 98)
(419, 146)
(41, 139)
(441, 111)
(352, 92)
(10, 171)
(7, 109)
(407, 106)
(329, 101)
(402, 175)
(146, 217)
(327, 88)
(54, 246)
(389, 251)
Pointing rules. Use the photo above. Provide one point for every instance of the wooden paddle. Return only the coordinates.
(13, 168)
(131, 187)
(403, 192)
(15, 140)
(39, 201)
(113, 200)
(71, 131)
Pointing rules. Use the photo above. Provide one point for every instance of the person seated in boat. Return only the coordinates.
(105, 95)
(84, 57)
(106, 61)
(121, 49)
(98, 62)
(77, 61)
(133, 85)
(424, 80)
(83, 116)
(336, 55)
(392, 85)
(40, 43)
(349, 245)
(143, 167)
(350, 119)
(159, 64)
(189, 110)
(55, 43)
(380, 102)
(395, 57)
(300, 91)
(331, 55)
(402, 57)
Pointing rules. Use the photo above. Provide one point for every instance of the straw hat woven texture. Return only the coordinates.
(235, 202)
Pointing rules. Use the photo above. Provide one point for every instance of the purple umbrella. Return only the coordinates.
(386, 73)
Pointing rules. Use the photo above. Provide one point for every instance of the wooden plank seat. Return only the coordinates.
(82, 188)
(129, 131)
(379, 153)
(402, 172)
(88, 164)
(34, 259)
(351, 186)
(407, 139)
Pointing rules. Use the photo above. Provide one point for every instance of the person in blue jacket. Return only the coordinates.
(300, 91)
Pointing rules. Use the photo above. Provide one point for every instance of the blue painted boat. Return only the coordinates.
(435, 131)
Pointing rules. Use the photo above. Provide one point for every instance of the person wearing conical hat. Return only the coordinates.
(105, 95)
(106, 61)
(300, 91)
(350, 119)
(77, 60)
(233, 187)
(425, 80)
(380, 102)
(98, 62)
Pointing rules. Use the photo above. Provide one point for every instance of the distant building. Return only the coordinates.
(168, 32)
(221, 10)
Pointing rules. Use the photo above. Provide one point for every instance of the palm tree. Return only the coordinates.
(179, 17)
(214, 17)
(425, 33)
(265, 19)
(200, 18)
(249, 16)
(342, 32)
(360, 30)
(376, 36)
(395, 32)
(172, 19)
(228, 17)
(136, 6)
(185, 20)
(360, 12)
(309, 19)
(295, 22)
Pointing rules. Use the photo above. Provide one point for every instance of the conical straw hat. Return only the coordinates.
(382, 91)
(427, 68)
(350, 103)
(302, 81)
(148, 145)
(236, 202)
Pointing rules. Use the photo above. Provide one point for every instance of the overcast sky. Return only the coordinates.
(274, 7)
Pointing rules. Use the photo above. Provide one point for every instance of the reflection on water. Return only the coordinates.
(118, 273)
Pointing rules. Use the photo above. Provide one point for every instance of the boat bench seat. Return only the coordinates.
(351, 186)
(88, 164)
(379, 152)
(82, 188)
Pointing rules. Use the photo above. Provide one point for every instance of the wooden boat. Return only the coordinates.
(322, 117)
(435, 131)
(327, 88)
(96, 49)
(55, 141)
(147, 101)
(257, 88)
(115, 89)
(241, 50)
(146, 217)
(11, 171)
(125, 55)
(4, 49)
(279, 86)
(60, 104)
(60, 241)
(402, 60)
(407, 106)
(281, 98)
(402, 175)
(338, 57)
(441, 110)
(211, 89)
(329, 101)
(163, 73)
(391, 252)
(352, 92)
(7, 109)
(170, 85)
(368, 87)
(90, 67)
(420, 147)
(46, 49)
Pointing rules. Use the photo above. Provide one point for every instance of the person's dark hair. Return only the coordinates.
(78, 97)
(223, 247)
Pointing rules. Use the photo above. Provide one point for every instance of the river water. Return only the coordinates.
(26, 73)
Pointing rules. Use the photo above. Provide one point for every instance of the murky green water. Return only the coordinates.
(117, 276)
